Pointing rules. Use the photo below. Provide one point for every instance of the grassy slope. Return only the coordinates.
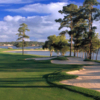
(98, 61)
(27, 80)
(60, 58)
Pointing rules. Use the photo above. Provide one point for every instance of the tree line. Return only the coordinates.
(29, 43)
(78, 21)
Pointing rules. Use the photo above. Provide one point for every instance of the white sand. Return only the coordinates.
(89, 77)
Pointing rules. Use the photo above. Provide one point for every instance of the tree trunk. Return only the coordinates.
(93, 55)
(74, 53)
(90, 52)
(63, 54)
(90, 30)
(57, 53)
(50, 53)
(71, 46)
(87, 55)
(83, 55)
(22, 46)
(97, 54)
(80, 54)
(77, 52)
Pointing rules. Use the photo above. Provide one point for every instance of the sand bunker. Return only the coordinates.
(89, 77)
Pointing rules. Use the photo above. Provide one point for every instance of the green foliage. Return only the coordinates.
(64, 49)
(21, 31)
(87, 60)
(69, 12)
(57, 43)
(91, 2)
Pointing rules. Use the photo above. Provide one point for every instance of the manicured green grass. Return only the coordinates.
(92, 60)
(60, 58)
(37, 80)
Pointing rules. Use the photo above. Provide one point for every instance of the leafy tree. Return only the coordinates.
(57, 44)
(61, 45)
(21, 35)
(64, 49)
(49, 44)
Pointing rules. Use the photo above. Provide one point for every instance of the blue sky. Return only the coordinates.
(39, 15)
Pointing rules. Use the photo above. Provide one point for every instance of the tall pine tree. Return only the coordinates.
(21, 35)
(67, 21)
(92, 14)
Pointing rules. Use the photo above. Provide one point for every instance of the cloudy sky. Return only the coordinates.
(39, 15)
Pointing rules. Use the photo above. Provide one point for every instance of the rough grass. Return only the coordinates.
(37, 80)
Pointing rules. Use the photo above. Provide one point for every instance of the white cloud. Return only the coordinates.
(73, 2)
(97, 24)
(41, 8)
(15, 18)
(40, 26)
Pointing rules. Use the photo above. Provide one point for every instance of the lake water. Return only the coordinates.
(47, 53)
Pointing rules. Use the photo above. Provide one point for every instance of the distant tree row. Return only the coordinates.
(29, 43)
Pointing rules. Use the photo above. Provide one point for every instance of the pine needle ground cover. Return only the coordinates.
(37, 80)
